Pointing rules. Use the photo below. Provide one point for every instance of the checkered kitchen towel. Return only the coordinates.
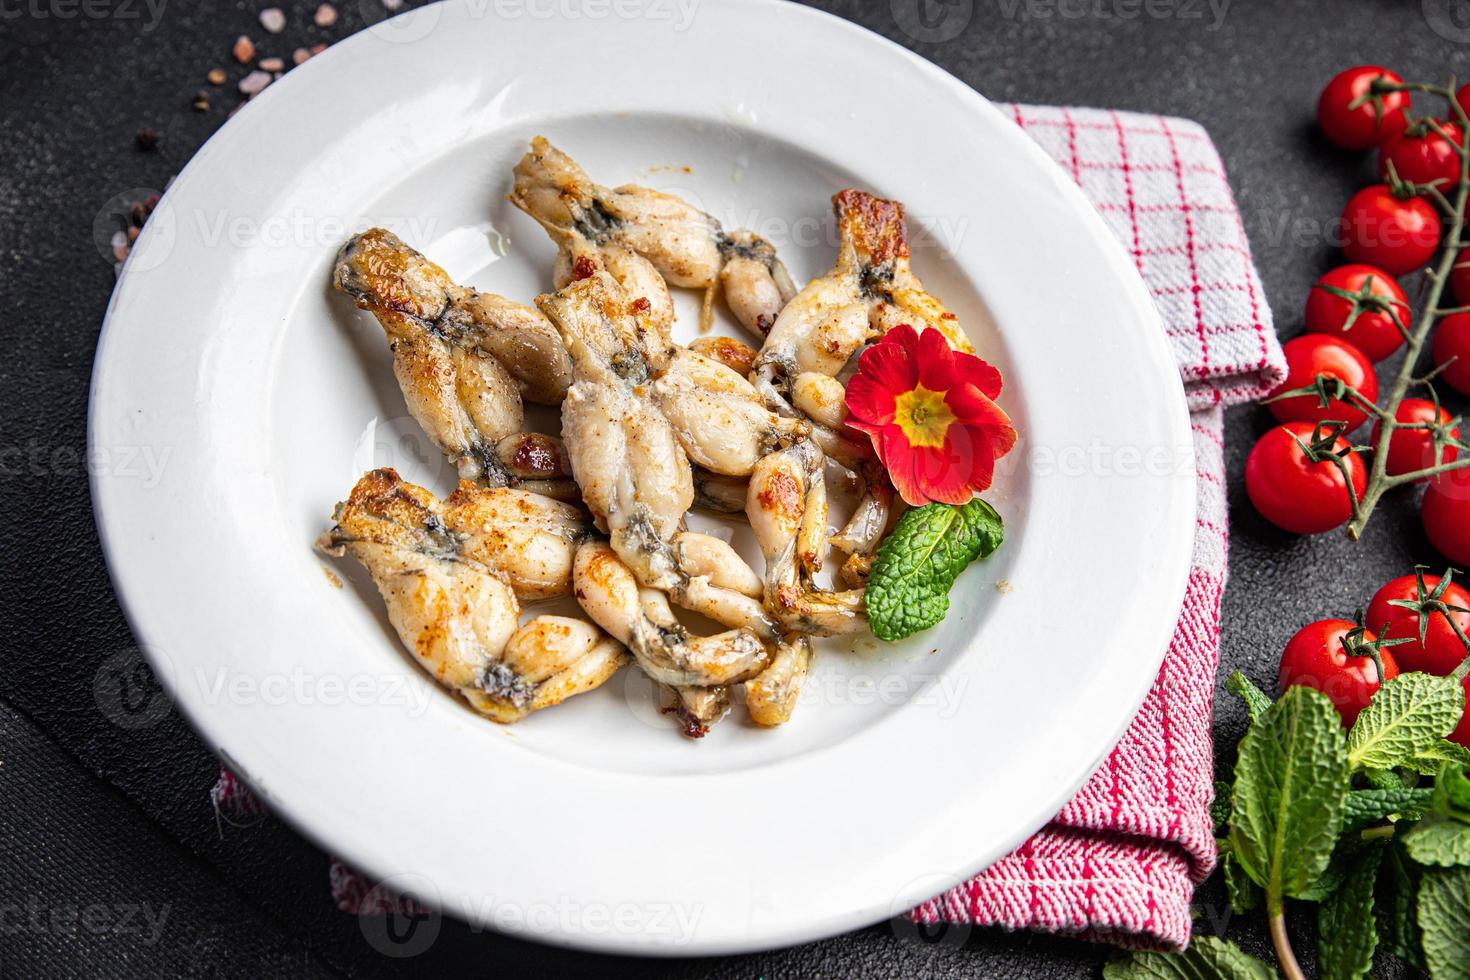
(1120, 863)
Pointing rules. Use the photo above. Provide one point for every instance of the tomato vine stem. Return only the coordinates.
(1379, 481)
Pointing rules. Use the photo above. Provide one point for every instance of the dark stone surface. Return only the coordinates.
(94, 812)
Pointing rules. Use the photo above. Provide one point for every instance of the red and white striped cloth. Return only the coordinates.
(1120, 862)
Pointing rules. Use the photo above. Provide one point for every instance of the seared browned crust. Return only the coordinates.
(734, 354)
(873, 225)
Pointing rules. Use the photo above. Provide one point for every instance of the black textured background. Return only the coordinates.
(94, 814)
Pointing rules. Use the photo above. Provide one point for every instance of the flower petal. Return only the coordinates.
(941, 475)
(974, 451)
(889, 364)
(868, 401)
(1002, 439)
(898, 459)
(935, 361)
(904, 336)
(970, 405)
(978, 372)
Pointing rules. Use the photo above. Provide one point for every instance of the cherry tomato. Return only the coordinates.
(1317, 658)
(1312, 354)
(1461, 733)
(1376, 294)
(1446, 515)
(1422, 156)
(1295, 493)
(1397, 235)
(1361, 125)
(1413, 449)
(1460, 279)
(1441, 651)
(1452, 340)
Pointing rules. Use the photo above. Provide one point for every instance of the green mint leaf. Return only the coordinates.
(908, 589)
(1334, 874)
(1428, 760)
(1452, 793)
(1244, 894)
(1255, 700)
(1408, 715)
(1438, 841)
(1444, 920)
(1385, 779)
(1207, 958)
(1290, 783)
(1395, 907)
(1364, 807)
(1346, 931)
(1220, 805)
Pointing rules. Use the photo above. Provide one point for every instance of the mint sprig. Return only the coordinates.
(1290, 783)
(917, 564)
(1395, 907)
(1444, 920)
(1408, 715)
(1439, 842)
(1205, 959)
(1345, 920)
(1372, 826)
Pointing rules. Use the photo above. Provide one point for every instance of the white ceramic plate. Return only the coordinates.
(226, 355)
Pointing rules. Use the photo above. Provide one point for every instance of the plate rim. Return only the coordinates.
(1150, 326)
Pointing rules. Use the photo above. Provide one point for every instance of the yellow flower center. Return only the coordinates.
(923, 416)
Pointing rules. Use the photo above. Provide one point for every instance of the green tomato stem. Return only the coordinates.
(1379, 482)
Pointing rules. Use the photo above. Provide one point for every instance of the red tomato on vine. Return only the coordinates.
(1460, 279)
(1315, 355)
(1413, 449)
(1451, 351)
(1423, 155)
(1397, 234)
(1411, 604)
(1292, 480)
(1331, 656)
(1360, 304)
(1353, 116)
(1445, 513)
